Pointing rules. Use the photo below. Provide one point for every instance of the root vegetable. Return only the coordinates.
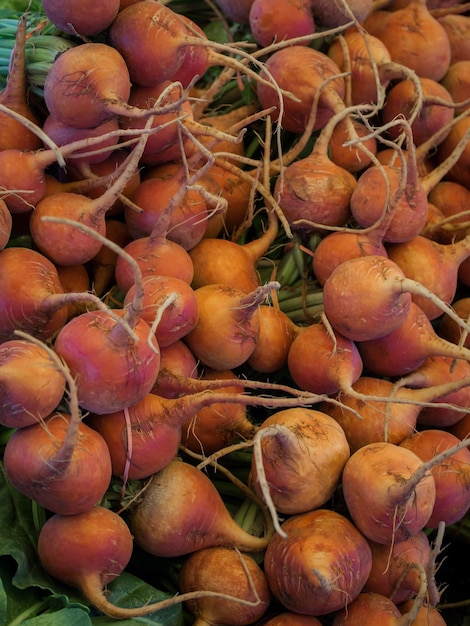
(188, 217)
(182, 512)
(99, 547)
(340, 246)
(321, 564)
(311, 68)
(433, 113)
(178, 318)
(359, 318)
(226, 262)
(389, 413)
(412, 35)
(218, 424)
(291, 19)
(176, 361)
(323, 361)
(224, 570)
(89, 84)
(144, 437)
(82, 18)
(35, 305)
(121, 339)
(302, 452)
(397, 499)
(451, 476)
(394, 573)
(363, 54)
(446, 409)
(63, 134)
(66, 244)
(228, 325)
(432, 264)
(69, 466)
(449, 330)
(276, 334)
(27, 399)
(341, 13)
(369, 605)
(403, 350)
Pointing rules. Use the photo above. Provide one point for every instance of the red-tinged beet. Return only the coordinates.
(188, 210)
(301, 454)
(63, 242)
(448, 408)
(389, 492)
(63, 477)
(176, 361)
(457, 29)
(13, 133)
(27, 399)
(310, 68)
(368, 297)
(87, 550)
(432, 264)
(181, 512)
(89, 84)
(320, 565)
(451, 476)
(402, 100)
(98, 545)
(34, 305)
(156, 42)
(178, 318)
(166, 144)
(403, 350)
(23, 173)
(225, 570)
(95, 340)
(68, 466)
(322, 361)
(394, 573)
(218, 424)
(63, 134)
(236, 10)
(351, 157)
(81, 17)
(228, 325)
(450, 198)
(291, 19)
(377, 608)
(340, 13)
(144, 437)
(155, 255)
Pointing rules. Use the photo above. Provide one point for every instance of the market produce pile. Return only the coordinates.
(234, 312)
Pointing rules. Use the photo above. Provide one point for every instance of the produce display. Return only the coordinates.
(235, 312)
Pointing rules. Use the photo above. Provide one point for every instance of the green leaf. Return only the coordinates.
(69, 616)
(19, 534)
(129, 591)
